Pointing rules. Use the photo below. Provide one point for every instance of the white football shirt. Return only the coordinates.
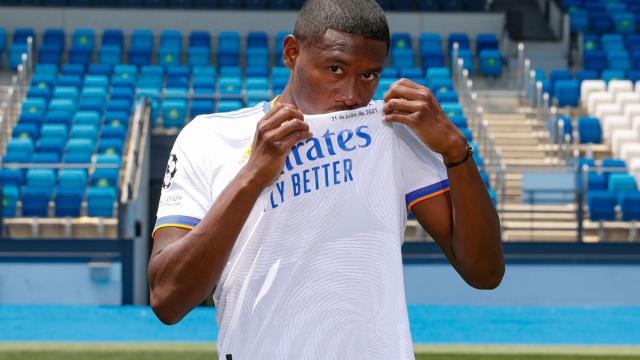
(316, 272)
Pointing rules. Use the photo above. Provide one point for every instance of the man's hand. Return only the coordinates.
(276, 133)
(415, 106)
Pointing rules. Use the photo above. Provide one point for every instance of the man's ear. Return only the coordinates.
(290, 51)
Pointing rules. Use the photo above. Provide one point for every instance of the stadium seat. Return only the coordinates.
(106, 177)
(486, 42)
(113, 37)
(567, 92)
(37, 192)
(110, 146)
(26, 131)
(82, 46)
(174, 112)
(402, 58)
(630, 206)
(490, 62)
(229, 48)
(589, 130)
(461, 38)
(54, 145)
(72, 184)
(100, 201)
(141, 47)
(201, 106)
(79, 150)
(10, 196)
(19, 151)
(595, 60)
(601, 205)
(226, 105)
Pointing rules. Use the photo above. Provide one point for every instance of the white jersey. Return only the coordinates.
(316, 272)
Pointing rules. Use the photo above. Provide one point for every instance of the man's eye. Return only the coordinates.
(369, 76)
(335, 69)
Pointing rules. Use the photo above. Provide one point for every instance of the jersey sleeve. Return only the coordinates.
(186, 189)
(423, 172)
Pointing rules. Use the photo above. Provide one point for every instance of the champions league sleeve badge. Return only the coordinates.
(170, 173)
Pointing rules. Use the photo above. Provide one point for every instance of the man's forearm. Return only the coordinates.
(476, 242)
(185, 272)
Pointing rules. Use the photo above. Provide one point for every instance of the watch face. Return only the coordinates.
(170, 173)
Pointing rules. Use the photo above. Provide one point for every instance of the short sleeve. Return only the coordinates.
(186, 188)
(423, 172)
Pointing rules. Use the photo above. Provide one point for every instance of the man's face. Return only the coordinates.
(338, 72)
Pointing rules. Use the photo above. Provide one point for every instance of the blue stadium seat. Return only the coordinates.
(257, 39)
(567, 92)
(72, 184)
(415, 73)
(70, 80)
(106, 177)
(82, 46)
(16, 50)
(559, 74)
(33, 110)
(402, 58)
(582, 75)
(619, 60)
(589, 130)
(440, 85)
(610, 166)
(201, 106)
(20, 35)
(601, 22)
(229, 86)
(110, 55)
(625, 23)
(595, 60)
(257, 57)
(26, 131)
(231, 71)
(256, 96)
(257, 83)
(87, 118)
(79, 150)
(141, 47)
(37, 192)
(630, 206)
(115, 118)
(51, 145)
(601, 205)
(467, 56)
(100, 201)
(114, 132)
(19, 150)
(38, 92)
(54, 130)
(73, 69)
(486, 42)
(612, 74)
(490, 62)
(113, 37)
(174, 112)
(621, 183)
(10, 196)
(200, 39)
(579, 21)
(447, 96)
(110, 146)
(461, 38)
(452, 109)
(431, 52)
(226, 105)
(170, 48)
(401, 40)
(198, 56)
(279, 79)
(229, 48)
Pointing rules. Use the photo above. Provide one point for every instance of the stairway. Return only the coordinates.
(524, 147)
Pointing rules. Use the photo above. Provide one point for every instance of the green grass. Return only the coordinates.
(120, 351)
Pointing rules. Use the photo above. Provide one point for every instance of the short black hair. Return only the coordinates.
(358, 17)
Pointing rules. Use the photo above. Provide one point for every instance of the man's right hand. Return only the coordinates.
(276, 133)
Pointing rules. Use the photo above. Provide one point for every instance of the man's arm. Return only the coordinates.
(464, 221)
(185, 265)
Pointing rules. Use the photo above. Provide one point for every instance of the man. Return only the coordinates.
(296, 218)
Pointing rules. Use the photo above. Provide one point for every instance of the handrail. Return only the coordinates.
(138, 128)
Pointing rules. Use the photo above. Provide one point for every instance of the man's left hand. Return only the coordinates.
(416, 106)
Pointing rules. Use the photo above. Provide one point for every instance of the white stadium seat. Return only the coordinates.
(589, 86)
(598, 97)
(616, 86)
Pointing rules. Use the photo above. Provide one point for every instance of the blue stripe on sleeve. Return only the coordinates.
(426, 191)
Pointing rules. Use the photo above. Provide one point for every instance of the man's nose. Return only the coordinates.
(349, 96)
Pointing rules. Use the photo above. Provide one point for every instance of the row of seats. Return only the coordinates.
(45, 193)
(611, 51)
(424, 5)
(603, 16)
(612, 193)
(141, 49)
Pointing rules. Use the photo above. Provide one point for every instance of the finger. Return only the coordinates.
(280, 114)
(294, 138)
(399, 105)
(406, 119)
(402, 91)
(286, 129)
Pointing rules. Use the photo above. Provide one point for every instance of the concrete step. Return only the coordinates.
(538, 216)
(540, 235)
